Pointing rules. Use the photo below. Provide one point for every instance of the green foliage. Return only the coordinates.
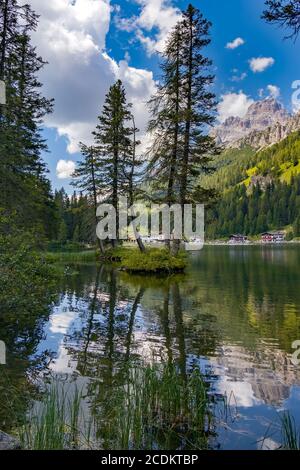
(254, 207)
(182, 109)
(86, 256)
(252, 213)
(27, 289)
(159, 408)
(290, 432)
(231, 168)
(154, 260)
(234, 166)
(296, 226)
(54, 423)
(26, 278)
(24, 188)
(77, 219)
(113, 145)
(155, 408)
(289, 236)
(278, 158)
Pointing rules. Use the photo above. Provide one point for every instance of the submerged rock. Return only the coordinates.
(8, 443)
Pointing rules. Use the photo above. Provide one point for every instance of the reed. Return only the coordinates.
(290, 433)
(57, 422)
(152, 407)
(160, 408)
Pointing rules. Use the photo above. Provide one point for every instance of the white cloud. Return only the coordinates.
(233, 104)
(65, 169)
(260, 64)
(239, 78)
(274, 91)
(153, 24)
(71, 36)
(235, 43)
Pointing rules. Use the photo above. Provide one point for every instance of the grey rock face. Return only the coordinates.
(271, 135)
(8, 443)
(265, 123)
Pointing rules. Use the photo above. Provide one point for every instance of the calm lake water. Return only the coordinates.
(235, 313)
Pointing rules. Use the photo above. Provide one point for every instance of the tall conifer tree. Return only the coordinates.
(113, 145)
(23, 184)
(88, 177)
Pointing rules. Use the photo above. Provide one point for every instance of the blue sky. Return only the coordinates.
(92, 43)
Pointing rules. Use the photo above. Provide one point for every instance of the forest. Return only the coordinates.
(181, 149)
(260, 191)
(113, 345)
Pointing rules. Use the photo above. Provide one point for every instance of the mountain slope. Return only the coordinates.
(260, 190)
(266, 122)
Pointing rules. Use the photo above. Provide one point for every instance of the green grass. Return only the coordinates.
(160, 408)
(154, 260)
(289, 431)
(56, 422)
(155, 407)
(72, 257)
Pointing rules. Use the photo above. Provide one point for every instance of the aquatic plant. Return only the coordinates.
(57, 421)
(154, 407)
(289, 431)
(159, 408)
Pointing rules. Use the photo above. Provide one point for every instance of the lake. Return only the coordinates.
(235, 314)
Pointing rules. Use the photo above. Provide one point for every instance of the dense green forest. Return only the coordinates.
(259, 190)
(25, 189)
(180, 111)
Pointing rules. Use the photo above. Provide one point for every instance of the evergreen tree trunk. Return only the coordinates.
(3, 42)
(99, 242)
(187, 136)
(131, 190)
(186, 150)
(174, 158)
(115, 192)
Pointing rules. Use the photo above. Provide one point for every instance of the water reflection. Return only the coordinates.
(235, 314)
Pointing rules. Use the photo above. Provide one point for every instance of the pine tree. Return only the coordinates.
(200, 104)
(182, 111)
(166, 126)
(62, 232)
(133, 176)
(113, 146)
(9, 15)
(286, 13)
(296, 227)
(24, 187)
(88, 177)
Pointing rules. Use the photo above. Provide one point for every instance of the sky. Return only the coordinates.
(89, 44)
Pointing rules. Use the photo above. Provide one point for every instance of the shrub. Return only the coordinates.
(154, 260)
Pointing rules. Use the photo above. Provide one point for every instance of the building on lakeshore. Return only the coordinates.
(273, 237)
(238, 239)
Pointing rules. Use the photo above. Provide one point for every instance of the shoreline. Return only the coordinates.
(251, 243)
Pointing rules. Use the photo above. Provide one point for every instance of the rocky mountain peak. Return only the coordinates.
(260, 116)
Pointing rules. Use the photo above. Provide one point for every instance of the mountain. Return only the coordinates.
(271, 135)
(259, 190)
(258, 173)
(266, 122)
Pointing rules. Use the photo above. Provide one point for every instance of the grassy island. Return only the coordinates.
(130, 259)
(154, 260)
